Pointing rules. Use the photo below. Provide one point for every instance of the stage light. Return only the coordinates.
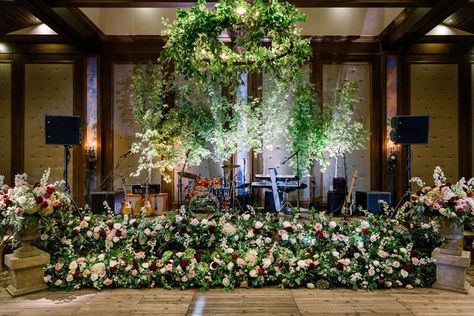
(4, 48)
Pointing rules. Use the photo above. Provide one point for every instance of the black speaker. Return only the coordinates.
(370, 200)
(408, 130)
(335, 201)
(339, 184)
(114, 200)
(269, 202)
(62, 130)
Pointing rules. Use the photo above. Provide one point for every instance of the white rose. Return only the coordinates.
(47, 279)
(94, 276)
(115, 239)
(310, 285)
(225, 282)
(89, 233)
(58, 282)
(21, 200)
(404, 273)
(230, 265)
(69, 278)
(184, 279)
(246, 217)
(268, 240)
(253, 273)
(258, 224)
(117, 226)
(73, 265)
(333, 224)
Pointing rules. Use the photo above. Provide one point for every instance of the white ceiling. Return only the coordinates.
(320, 22)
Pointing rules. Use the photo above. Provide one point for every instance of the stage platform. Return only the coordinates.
(264, 301)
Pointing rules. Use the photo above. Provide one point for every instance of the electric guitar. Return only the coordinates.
(126, 208)
(349, 203)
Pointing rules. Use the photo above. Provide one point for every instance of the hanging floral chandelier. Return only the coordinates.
(236, 36)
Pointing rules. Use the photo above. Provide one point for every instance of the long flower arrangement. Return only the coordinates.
(236, 250)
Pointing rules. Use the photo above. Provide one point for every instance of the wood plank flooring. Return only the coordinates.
(265, 301)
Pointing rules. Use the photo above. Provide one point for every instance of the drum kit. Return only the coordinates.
(203, 194)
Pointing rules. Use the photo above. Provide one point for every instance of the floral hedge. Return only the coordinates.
(236, 250)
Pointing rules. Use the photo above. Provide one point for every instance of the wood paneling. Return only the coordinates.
(5, 120)
(465, 120)
(15, 18)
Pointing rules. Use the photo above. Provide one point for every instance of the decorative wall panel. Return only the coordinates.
(333, 77)
(5, 121)
(48, 90)
(434, 92)
(125, 127)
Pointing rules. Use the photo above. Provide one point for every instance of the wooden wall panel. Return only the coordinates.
(334, 76)
(124, 127)
(5, 120)
(434, 92)
(48, 90)
(472, 120)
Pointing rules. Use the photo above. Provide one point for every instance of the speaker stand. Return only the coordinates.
(406, 195)
(67, 188)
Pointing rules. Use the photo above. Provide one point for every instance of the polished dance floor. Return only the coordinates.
(265, 301)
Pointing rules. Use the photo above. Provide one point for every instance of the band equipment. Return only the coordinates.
(126, 208)
(335, 201)
(370, 200)
(66, 131)
(349, 204)
(278, 183)
(113, 199)
(153, 188)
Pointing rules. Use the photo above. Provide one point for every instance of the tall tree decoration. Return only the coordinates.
(209, 49)
(344, 134)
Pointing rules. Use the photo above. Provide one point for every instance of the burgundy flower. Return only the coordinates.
(469, 194)
(76, 275)
(311, 266)
(152, 267)
(414, 253)
(45, 204)
(118, 233)
(365, 231)
(110, 223)
(289, 229)
(135, 224)
(113, 269)
(135, 265)
(256, 231)
(261, 271)
(102, 232)
(183, 264)
(38, 199)
(75, 232)
(381, 281)
(197, 256)
(407, 267)
(49, 190)
(319, 235)
(212, 228)
(234, 256)
(340, 266)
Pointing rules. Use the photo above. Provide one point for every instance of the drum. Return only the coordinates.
(202, 182)
(216, 183)
(203, 202)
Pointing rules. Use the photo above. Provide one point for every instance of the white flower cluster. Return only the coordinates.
(438, 176)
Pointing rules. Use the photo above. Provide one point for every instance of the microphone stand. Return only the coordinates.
(113, 171)
(297, 154)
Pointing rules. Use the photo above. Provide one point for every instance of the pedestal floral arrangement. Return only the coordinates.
(22, 209)
(452, 206)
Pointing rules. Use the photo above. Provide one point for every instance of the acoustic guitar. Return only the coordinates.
(349, 203)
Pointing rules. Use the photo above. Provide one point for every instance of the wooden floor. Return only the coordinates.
(266, 301)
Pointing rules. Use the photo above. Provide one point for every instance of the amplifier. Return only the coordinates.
(269, 202)
(335, 201)
(370, 200)
(114, 200)
(339, 184)
(153, 188)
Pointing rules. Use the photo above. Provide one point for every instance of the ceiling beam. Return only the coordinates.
(66, 23)
(187, 3)
(419, 21)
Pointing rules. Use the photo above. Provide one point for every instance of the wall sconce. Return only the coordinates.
(90, 152)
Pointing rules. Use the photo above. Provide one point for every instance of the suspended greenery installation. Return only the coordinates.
(179, 104)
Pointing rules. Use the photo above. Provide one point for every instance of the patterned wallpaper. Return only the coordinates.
(48, 90)
(5, 121)
(434, 92)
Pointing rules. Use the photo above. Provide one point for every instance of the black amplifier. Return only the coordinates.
(153, 188)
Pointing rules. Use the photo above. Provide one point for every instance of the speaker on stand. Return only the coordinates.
(66, 131)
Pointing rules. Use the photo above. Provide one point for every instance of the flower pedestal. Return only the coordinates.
(26, 265)
(451, 260)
